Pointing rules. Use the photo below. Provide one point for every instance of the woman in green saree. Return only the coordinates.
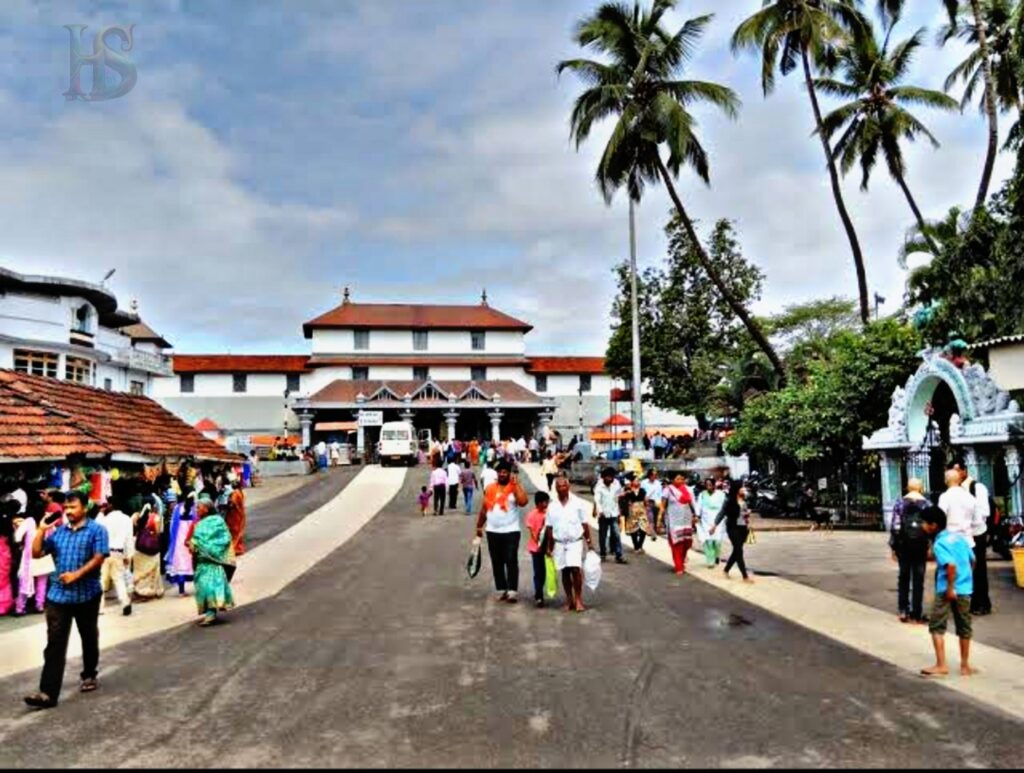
(210, 544)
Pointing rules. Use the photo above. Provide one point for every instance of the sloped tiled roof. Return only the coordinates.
(570, 365)
(206, 424)
(140, 331)
(240, 363)
(415, 316)
(92, 421)
(344, 391)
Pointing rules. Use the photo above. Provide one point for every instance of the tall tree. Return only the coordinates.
(976, 22)
(876, 119)
(639, 88)
(689, 332)
(806, 33)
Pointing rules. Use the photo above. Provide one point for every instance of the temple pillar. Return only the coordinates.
(407, 415)
(892, 488)
(495, 417)
(450, 417)
(1016, 499)
(306, 420)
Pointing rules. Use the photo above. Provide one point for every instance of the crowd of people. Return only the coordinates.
(558, 525)
(62, 552)
(950, 527)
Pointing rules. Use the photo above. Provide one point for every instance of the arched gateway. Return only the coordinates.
(958, 404)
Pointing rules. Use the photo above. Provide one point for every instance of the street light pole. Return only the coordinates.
(638, 409)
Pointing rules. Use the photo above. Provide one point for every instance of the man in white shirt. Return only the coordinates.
(958, 505)
(606, 508)
(453, 484)
(981, 603)
(567, 529)
(115, 565)
(487, 477)
(321, 455)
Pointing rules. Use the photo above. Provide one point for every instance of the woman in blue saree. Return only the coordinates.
(210, 544)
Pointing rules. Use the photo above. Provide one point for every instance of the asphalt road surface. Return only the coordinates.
(270, 518)
(385, 654)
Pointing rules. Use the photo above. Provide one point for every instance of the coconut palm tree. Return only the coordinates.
(876, 120)
(806, 33)
(984, 24)
(933, 236)
(637, 86)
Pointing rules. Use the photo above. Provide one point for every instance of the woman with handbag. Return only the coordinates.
(677, 517)
(737, 525)
(149, 584)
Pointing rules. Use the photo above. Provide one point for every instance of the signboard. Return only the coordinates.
(621, 395)
(371, 418)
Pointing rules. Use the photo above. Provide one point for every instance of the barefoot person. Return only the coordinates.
(954, 583)
(79, 549)
(501, 511)
(677, 518)
(567, 530)
(211, 546)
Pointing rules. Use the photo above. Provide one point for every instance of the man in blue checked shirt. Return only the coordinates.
(74, 594)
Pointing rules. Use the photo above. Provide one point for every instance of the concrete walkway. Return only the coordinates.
(262, 572)
(1000, 684)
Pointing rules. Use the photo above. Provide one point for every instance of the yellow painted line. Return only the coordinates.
(262, 572)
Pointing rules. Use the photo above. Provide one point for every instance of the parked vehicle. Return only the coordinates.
(397, 444)
(1002, 529)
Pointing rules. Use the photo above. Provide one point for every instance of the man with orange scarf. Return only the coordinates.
(677, 517)
(501, 511)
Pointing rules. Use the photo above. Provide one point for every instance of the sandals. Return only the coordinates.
(88, 685)
(40, 700)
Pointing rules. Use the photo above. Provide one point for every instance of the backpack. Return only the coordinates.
(911, 523)
(993, 509)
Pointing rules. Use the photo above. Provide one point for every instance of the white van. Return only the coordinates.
(397, 443)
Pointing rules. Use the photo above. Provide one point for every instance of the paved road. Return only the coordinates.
(268, 519)
(385, 654)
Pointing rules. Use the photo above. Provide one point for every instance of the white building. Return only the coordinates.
(72, 330)
(454, 369)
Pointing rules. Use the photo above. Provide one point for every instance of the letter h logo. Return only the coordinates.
(100, 59)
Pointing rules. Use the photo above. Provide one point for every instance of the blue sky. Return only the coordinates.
(416, 151)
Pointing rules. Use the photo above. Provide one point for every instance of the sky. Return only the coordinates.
(415, 151)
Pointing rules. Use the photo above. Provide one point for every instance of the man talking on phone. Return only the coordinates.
(501, 512)
(78, 549)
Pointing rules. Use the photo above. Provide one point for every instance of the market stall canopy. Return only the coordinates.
(271, 440)
(45, 419)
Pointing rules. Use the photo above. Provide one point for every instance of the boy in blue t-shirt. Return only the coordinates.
(954, 583)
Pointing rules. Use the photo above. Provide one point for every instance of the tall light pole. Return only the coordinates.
(638, 409)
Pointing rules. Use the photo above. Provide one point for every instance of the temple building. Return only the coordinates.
(455, 370)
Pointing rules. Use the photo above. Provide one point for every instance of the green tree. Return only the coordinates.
(844, 397)
(639, 89)
(875, 119)
(803, 330)
(806, 33)
(977, 13)
(688, 330)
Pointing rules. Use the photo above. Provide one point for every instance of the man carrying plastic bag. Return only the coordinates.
(567, 529)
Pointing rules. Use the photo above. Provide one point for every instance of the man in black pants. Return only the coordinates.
(981, 604)
(502, 501)
(74, 595)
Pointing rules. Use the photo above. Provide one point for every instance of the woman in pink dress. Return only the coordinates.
(6, 591)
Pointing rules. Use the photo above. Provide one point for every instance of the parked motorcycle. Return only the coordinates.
(1002, 530)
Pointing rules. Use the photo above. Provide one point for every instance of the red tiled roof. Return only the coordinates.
(414, 316)
(617, 420)
(206, 425)
(240, 363)
(593, 365)
(345, 391)
(463, 360)
(48, 418)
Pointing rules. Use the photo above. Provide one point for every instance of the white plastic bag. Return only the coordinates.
(592, 570)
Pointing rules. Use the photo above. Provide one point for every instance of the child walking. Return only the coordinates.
(954, 583)
(535, 545)
(424, 499)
